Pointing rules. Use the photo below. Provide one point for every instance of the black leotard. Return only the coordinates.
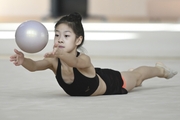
(113, 80)
(85, 86)
(81, 86)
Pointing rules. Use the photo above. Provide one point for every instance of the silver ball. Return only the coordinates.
(31, 36)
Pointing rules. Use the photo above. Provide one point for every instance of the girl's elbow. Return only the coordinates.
(31, 70)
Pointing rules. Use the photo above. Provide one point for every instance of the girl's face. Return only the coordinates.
(65, 38)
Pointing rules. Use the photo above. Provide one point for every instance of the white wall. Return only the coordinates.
(150, 41)
(124, 8)
(24, 7)
(96, 7)
(105, 8)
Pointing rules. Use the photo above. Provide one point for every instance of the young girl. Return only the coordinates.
(74, 71)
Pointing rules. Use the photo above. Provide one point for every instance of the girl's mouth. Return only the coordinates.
(61, 46)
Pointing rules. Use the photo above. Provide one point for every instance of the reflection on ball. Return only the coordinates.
(31, 36)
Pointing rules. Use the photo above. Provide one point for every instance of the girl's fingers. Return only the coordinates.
(16, 63)
(13, 58)
(17, 52)
(55, 49)
(49, 55)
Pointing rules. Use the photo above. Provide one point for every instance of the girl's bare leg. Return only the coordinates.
(135, 77)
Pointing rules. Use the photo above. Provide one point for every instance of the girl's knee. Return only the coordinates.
(139, 79)
(132, 79)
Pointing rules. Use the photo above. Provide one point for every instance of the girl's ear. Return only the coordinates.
(79, 40)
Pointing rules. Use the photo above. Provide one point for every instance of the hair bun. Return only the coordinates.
(75, 17)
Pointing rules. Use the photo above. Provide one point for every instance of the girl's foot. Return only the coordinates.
(131, 69)
(168, 73)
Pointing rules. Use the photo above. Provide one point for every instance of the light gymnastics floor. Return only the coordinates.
(37, 96)
(26, 96)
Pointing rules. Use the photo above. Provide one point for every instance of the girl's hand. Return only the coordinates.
(17, 58)
(57, 52)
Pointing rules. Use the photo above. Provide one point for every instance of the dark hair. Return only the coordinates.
(73, 20)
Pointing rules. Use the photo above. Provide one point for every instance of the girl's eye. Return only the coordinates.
(66, 35)
(56, 35)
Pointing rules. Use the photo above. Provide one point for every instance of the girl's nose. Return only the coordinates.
(60, 40)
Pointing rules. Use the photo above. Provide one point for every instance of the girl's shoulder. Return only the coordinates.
(84, 57)
(82, 54)
(53, 63)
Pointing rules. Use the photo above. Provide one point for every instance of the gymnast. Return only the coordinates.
(74, 70)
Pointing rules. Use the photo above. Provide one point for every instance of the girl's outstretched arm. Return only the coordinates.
(82, 61)
(31, 65)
